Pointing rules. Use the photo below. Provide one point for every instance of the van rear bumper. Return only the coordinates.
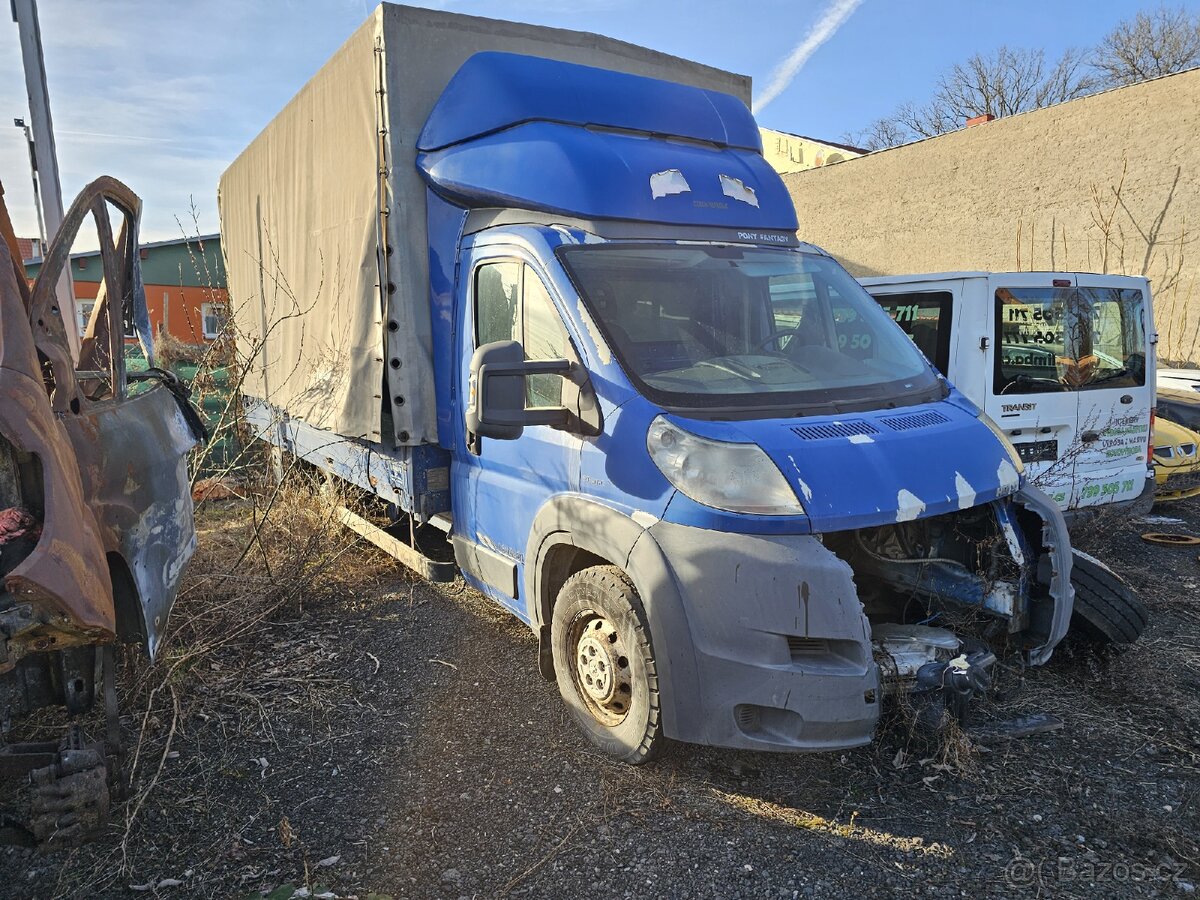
(1138, 506)
(780, 649)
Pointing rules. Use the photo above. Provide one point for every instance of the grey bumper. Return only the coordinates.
(762, 640)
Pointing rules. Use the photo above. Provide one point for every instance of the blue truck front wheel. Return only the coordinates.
(604, 663)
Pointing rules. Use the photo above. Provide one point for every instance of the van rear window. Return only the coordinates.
(925, 317)
(1069, 339)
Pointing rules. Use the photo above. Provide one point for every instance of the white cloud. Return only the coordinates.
(826, 27)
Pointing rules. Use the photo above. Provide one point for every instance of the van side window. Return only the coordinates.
(497, 293)
(544, 339)
(925, 317)
(1068, 339)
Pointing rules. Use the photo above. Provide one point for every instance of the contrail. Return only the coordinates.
(835, 14)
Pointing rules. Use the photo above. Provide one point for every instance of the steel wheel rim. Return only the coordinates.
(600, 667)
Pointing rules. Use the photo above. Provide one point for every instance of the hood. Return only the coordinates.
(877, 468)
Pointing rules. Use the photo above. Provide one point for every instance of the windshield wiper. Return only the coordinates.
(740, 371)
(1111, 376)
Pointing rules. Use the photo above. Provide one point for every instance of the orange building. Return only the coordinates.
(185, 286)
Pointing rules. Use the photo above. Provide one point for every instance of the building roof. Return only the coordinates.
(178, 262)
(815, 140)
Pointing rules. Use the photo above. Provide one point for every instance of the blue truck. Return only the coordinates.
(540, 293)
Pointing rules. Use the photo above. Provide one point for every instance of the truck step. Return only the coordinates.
(431, 569)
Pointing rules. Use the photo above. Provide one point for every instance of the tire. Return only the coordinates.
(1106, 610)
(604, 663)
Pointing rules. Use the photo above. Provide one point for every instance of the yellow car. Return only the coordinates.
(1176, 462)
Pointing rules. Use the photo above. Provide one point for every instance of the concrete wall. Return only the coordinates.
(1108, 183)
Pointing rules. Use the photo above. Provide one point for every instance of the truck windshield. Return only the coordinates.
(1069, 339)
(730, 327)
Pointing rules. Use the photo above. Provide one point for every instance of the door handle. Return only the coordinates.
(1127, 399)
(1089, 437)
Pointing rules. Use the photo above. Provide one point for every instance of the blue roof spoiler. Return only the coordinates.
(495, 91)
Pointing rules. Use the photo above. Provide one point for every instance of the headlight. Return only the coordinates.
(1004, 441)
(734, 477)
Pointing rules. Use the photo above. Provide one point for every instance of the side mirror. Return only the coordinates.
(496, 395)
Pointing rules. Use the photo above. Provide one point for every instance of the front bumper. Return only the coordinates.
(1179, 482)
(780, 649)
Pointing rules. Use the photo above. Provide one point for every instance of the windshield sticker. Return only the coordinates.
(671, 181)
(738, 190)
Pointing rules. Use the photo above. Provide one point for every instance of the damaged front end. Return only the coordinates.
(1000, 572)
(945, 594)
(95, 508)
(920, 560)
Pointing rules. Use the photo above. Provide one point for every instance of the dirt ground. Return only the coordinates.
(386, 737)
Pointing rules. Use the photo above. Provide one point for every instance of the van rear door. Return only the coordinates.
(1029, 316)
(1115, 397)
(1068, 384)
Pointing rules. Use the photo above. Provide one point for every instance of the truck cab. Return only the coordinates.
(727, 492)
(1064, 363)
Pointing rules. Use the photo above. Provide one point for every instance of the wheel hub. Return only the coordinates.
(596, 668)
(602, 669)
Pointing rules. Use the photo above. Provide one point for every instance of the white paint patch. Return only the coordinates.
(804, 488)
(1008, 478)
(738, 190)
(644, 518)
(597, 338)
(671, 181)
(966, 493)
(908, 506)
(1014, 544)
(861, 439)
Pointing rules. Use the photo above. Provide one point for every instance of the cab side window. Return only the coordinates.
(925, 317)
(544, 339)
(512, 304)
(497, 298)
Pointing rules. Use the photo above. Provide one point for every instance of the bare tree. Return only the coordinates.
(879, 135)
(1149, 45)
(1005, 82)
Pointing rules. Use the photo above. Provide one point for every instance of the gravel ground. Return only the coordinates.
(396, 740)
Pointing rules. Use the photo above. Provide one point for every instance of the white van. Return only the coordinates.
(1063, 362)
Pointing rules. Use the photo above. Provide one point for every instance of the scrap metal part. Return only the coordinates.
(69, 797)
(102, 467)
(96, 518)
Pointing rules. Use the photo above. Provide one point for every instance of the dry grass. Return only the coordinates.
(223, 665)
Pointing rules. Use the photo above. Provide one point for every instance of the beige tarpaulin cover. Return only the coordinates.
(301, 224)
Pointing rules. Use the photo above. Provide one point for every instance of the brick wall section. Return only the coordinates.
(1030, 192)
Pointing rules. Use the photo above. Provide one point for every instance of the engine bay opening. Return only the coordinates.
(980, 575)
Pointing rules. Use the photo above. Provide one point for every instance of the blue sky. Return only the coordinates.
(164, 95)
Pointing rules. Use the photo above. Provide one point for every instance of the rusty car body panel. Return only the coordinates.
(93, 470)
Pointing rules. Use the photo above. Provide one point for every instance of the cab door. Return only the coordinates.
(499, 485)
(928, 312)
(1029, 390)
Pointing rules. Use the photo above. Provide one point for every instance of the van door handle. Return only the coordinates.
(1089, 437)
(1127, 399)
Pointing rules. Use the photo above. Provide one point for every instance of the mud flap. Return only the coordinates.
(1056, 545)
